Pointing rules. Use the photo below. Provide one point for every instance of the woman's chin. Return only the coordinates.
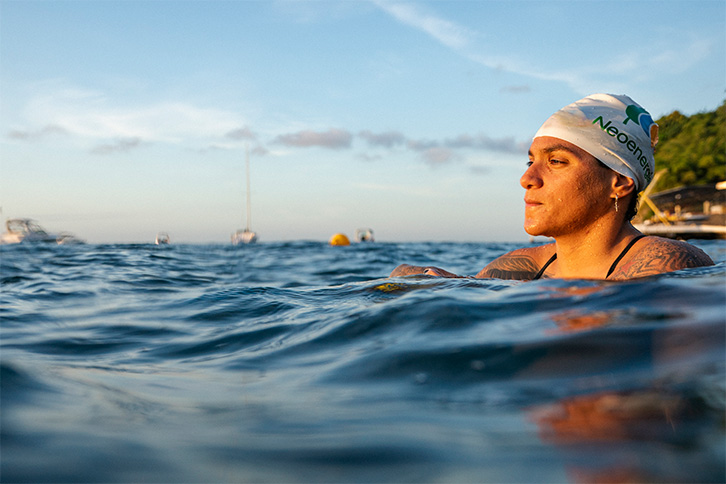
(534, 230)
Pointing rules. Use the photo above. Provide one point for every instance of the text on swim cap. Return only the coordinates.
(630, 144)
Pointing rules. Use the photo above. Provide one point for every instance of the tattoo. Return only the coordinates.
(660, 258)
(520, 267)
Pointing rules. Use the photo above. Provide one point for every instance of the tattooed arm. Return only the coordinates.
(510, 266)
(505, 267)
(521, 264)
(661, 255)
(408, 270)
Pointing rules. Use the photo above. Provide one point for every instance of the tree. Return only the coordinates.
(691, 148)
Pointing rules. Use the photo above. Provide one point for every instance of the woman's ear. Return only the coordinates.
(623, 185)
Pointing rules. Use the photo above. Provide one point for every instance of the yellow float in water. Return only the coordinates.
(339, 239)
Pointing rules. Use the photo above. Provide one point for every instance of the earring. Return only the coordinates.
(616, 202)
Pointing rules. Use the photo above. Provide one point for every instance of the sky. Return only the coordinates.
(122, 119)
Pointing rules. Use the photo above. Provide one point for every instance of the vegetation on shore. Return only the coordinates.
(692, 149)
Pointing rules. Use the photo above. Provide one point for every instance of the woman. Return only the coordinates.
(587, 164)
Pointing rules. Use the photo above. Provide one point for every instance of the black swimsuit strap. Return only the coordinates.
(622, 254)
(544, 267)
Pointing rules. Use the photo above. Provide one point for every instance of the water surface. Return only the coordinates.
(302, 362)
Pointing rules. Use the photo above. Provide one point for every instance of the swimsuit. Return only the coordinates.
(612, 267)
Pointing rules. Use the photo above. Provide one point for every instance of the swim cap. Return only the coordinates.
(614, 129)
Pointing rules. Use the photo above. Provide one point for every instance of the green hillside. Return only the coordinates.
(692, 149)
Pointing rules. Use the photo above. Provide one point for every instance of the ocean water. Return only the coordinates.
(302, 362)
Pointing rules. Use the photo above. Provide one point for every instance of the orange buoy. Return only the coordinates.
(339, 239)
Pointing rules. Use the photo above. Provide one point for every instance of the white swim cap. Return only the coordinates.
(614, 129)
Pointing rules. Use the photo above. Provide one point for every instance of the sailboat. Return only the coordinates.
(246, 236)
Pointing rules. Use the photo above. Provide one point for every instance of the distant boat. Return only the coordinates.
(64, 238)
(246, 236)
(162, 238)
(25, 230)
(690, 212)
(364, 235)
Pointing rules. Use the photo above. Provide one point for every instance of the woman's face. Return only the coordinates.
(568, 190)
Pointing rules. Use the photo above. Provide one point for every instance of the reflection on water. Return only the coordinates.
(662, 423)
(583, 426)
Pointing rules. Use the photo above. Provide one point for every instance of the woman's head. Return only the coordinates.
(613, 129)
(570, 191)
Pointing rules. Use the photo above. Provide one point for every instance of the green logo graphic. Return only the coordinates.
(640, 116)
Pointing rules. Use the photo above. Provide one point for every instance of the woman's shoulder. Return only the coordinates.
(657, 255)
(521, 264)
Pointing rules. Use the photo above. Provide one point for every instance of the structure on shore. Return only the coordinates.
(690, 212)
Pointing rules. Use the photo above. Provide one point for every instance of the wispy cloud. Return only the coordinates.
(460, 39)
(421, 144)
(41, 133)
(259, 150)
(644, 61)
(333, 138)
(484, 142)
(445, 31)
(437, 152)
(520, 89)
(241, 134)
(456, 37)
(101, 126)
(118, 146)
(438, 156)
(104, 125)
(386, 139)
(369, 157)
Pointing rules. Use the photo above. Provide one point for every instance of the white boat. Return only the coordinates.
(162, 238)
(364, 235)
(65, 238)
(25, 230)
(689, 212)
(246, 236)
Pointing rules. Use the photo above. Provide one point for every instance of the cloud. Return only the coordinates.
(421, 145)
(367, 157)
(516, 89)
(36, 134)
(437, 152)
(93, 117)
(645, 62)
(259, 150)
(104, 126)
(333, 139)
(446, 32)
(118, 146)
(459, 39)
(241, 134)
(484, 142)
(386, 139)
(439, 156)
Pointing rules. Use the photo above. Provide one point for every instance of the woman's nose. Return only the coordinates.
(531, 178)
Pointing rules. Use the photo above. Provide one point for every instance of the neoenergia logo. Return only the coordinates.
(641, 117)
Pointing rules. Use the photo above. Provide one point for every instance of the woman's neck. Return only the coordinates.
(590, 254)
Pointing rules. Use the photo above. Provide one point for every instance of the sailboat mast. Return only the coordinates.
(247, 167)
